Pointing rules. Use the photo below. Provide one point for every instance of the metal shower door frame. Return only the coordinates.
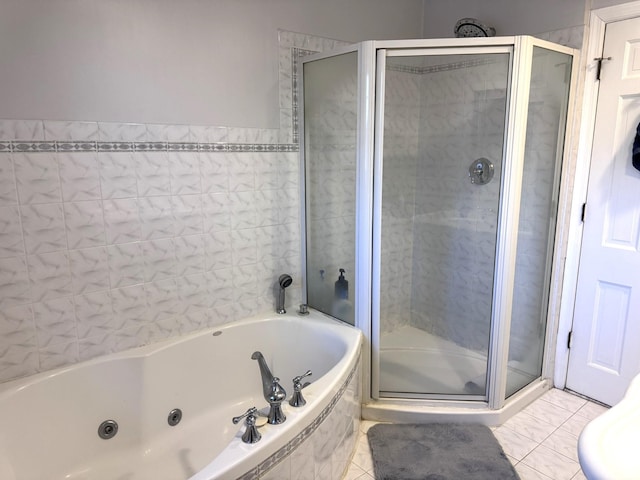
(509, 224)
(418, 49)
(364, 179)
(368, 206)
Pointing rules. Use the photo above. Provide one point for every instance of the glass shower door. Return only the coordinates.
(546, 122)
(437, 192)
(330, 98)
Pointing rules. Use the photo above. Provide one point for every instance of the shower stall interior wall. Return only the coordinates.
(439, 229)
(431, 173)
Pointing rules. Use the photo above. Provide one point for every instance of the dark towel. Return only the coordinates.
(636, 149)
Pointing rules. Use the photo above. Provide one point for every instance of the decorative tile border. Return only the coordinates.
(56, 146)
(297, 45)
(285, 451)
(296, 54)
(42, 136)
(441, 68)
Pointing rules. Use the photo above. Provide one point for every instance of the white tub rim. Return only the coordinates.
(269, 457)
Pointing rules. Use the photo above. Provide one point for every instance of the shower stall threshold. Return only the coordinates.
(400, 410)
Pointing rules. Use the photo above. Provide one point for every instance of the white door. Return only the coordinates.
(605, 344)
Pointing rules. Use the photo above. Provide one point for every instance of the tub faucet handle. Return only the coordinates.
(298, 379)
(252, 411)
(297, 400)
(251, 434)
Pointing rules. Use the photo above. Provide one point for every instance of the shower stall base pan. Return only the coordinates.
(439, 362)
(415, 363)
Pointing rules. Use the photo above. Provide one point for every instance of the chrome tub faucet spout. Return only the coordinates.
(273, 392)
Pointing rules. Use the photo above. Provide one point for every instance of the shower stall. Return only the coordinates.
(431, 179)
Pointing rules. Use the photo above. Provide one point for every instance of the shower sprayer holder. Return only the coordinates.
(283, 282)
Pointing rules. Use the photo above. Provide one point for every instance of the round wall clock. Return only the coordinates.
(470, 27)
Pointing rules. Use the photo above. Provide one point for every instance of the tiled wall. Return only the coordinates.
(401, 142)
(463, 111)
(569, 37)
(105, 250)
(118, 235)
(438, 228)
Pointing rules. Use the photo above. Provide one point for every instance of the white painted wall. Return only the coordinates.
(509, 17)
(212, 62)
(205, 61)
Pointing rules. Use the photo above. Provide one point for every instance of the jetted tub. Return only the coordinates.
(50, 421)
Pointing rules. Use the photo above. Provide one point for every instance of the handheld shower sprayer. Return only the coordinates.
(284, 281)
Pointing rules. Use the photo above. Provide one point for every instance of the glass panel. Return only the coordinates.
(330, 126)
(550, 79)
(444, 123)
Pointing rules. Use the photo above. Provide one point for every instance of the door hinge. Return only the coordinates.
(569, 337)
(584, 209)
(599, 66)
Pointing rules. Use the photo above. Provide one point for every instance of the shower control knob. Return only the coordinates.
(481, 171)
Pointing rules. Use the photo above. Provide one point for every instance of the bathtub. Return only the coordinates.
(51, 420)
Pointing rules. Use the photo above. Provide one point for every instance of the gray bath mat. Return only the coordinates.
(438, 451)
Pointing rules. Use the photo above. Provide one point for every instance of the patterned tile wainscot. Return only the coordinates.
(115, 235)
(106, 246)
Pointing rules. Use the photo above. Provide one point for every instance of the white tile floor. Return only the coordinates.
(541, 441)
